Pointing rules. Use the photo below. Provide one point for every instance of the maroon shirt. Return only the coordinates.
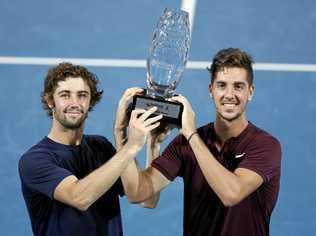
(204, 213)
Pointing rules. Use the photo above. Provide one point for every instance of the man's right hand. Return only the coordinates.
(122, 116)
(121, 119)
(140, 126)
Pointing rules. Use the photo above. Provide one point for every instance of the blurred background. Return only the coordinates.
(280, 35)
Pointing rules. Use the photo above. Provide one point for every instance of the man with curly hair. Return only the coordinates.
(70, 180)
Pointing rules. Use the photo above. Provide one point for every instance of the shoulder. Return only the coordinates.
(264, 138)
(38, 155)
(262, 143)
(40, 149)
(262, 153)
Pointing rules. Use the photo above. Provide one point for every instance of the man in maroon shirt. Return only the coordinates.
(230, 168)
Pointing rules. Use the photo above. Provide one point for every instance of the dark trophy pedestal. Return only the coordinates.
(171, 111)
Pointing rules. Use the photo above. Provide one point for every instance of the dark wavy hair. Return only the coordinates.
(231, 57)
(60, 73)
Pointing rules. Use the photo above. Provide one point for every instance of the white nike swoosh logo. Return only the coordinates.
(240, 155)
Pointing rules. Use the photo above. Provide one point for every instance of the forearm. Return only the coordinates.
(120, 136)
(137, 183)
(132, 177)
(152, 152)
(87, 190)
(225, 183)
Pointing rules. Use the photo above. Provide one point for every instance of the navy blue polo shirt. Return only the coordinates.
(45, 165)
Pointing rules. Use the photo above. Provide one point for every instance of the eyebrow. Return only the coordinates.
(83, 91)
(68, 91)
(63, 91)
(220, 82)
(240, 82)
(236, 82)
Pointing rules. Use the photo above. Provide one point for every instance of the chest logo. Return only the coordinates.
(237, 156)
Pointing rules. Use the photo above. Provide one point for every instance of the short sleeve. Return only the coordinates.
(40, 172)
(263, 156)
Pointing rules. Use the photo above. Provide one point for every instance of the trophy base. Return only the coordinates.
(171, 111)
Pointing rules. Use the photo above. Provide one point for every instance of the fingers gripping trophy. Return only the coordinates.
(168, 55)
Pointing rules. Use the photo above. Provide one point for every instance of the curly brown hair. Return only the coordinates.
(231, 57)
(60, 73)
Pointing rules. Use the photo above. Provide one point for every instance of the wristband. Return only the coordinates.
(191, 135)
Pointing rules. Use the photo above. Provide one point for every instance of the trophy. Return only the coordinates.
(168, 55)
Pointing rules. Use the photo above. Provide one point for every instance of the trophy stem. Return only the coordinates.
(158, 91)
(162, 78)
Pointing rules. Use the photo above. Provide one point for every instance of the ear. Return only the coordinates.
(49, 101)
(210, 90)
(252, 91)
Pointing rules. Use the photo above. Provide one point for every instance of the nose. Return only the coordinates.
(229, 92)
(74, 100)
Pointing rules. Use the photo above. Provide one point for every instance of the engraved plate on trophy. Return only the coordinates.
(168, 55)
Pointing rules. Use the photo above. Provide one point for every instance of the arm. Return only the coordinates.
(144, 186)
(122, 116)
(138, 184)
(84, 192)
(230, 187)
(152, 152)
(154, 141)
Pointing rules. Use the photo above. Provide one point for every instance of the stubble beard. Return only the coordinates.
(229, 119)
(67, 123)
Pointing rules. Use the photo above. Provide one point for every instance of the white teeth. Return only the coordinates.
(73, 112)
(229, 104)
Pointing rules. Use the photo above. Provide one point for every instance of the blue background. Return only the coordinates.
(284, 102)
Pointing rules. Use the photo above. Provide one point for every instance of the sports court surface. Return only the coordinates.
(112, 39)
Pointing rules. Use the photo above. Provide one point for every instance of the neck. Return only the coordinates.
(64, 135)
(227, 129)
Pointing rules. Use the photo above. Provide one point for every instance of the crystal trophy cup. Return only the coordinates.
(168, 55)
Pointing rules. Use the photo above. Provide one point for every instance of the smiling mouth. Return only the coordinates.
(79, 111)
(229, 104)
(74, 113)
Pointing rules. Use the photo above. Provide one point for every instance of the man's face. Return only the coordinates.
(71, 101)
(231, 92)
